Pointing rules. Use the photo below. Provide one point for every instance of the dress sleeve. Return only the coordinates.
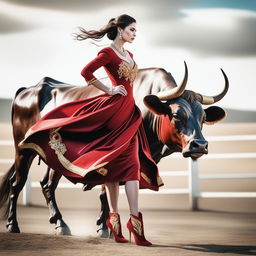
(102, 59)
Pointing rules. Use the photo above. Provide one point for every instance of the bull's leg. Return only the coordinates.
(17, 181)
(101, 222)
(49, 183)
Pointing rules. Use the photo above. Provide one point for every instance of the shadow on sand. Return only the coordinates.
(217, 248)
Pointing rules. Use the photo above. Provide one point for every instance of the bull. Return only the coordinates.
(172, 116)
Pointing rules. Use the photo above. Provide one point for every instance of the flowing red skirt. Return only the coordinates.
(96, 140)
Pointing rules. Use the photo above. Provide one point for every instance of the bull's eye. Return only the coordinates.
(176, 117)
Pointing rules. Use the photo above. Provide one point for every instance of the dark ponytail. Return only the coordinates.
(110, 29)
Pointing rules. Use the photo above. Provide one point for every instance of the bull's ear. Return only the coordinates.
(155, 105)
(214, 114)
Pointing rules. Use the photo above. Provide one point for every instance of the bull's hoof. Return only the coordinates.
(13, 228)
(63, 231)
(54, 218)
(103, 233)
(62, 228)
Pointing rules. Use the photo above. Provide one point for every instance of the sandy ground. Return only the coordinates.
(172, 233)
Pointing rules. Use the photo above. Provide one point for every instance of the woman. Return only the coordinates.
(101, 140)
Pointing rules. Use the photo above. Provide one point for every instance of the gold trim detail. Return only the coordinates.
(35, 147)
(159, 181)
(114, 220)
(149, 181)
(102, 171)
(91, 81)
(28, 133)
(136, 225)
(59, 147)
(146, 178)
(125, 70)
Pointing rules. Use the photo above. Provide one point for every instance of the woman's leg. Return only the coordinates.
(132, 193)
(135, 223)
(113, 222)
(113, 194)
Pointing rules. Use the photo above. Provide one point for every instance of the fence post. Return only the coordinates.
(193, 183)
(27, 191)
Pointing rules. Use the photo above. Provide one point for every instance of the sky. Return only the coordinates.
(36, 41)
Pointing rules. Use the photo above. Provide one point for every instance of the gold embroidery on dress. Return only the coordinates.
(136, 225)
(56, 143)
(59, 147)
(125, 70)
(114, 220)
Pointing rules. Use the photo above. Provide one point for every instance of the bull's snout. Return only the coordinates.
(201, 145)
(195, 148)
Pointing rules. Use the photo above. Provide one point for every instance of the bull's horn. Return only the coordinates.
(207, 100)
(176, 91)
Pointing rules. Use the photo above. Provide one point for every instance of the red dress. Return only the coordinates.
(98, 139)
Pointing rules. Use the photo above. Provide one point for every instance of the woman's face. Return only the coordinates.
(129, 33)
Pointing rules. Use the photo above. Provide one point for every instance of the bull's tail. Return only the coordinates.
(5, 189)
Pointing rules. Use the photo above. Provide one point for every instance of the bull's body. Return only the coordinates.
(34, 102)
(173, 126)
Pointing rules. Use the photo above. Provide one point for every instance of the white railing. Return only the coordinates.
(198, 194)
(192, 173)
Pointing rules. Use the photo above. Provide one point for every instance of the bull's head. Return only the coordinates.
(182, 116)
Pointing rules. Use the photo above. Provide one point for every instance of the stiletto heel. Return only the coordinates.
(135, 226)
(114, 224)
(130, 237)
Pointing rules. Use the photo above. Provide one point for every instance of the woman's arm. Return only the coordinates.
(102, 59)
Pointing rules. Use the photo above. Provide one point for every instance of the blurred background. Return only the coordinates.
(36, 41)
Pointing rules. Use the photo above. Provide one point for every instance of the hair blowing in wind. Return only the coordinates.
(110, 29)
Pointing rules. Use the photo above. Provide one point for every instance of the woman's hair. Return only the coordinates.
(110, 29)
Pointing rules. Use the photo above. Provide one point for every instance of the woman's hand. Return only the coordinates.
(110, 89)
(119, 89)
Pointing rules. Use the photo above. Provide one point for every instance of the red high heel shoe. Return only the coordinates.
(114, 224)
(135, 226)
